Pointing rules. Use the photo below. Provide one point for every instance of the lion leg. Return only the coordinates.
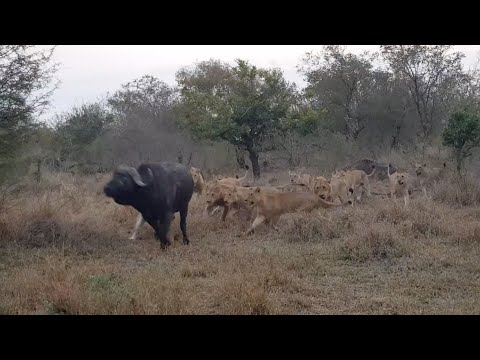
(258, 221)
(140, 222)
(274, 221)
(425, 191)
(358, 194)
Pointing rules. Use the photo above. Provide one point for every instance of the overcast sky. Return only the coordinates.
(88, 72)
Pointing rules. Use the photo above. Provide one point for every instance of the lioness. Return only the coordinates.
(271, 205)
(333, 189)
(298, 178)
(198, 180)
(235, 181)
(428, 175)
(399, 185)
(237, 197)
(356, 179)
(293, 188)
(214, 197)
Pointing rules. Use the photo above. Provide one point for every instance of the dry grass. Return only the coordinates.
(64, 249)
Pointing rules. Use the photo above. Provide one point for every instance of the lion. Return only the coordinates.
(236, 181)
(428, 175)
(214, 196)
(298, 178)
(292, 188)
(237, 197)
(367, 165)
(323, 188)
(198, 180)
(356, 179)
(399, 185)
(272, 205)
(333, 189)
(214, 193)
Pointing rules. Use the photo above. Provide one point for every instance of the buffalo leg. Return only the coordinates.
(183, 225)
(161, 227)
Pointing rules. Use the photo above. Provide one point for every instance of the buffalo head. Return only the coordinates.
(125, 182)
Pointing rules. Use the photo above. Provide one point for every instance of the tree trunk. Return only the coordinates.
(353, 125)
(291, 162)
(459, 158)
(240, 155)
(252, 154)
(38, 174)
(355, 135)
(395, 138)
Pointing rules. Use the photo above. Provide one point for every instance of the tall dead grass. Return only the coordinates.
(64, 249)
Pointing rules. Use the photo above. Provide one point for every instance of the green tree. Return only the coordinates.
(240, 104)
(299, 133)
(80, 127)
(462, 133)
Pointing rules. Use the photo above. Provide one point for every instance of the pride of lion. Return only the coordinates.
(303, 193)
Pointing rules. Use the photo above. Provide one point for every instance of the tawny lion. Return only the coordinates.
(292, 188)
(215, 197)
(271, 205)
(235, 181)
(237, 197)
(298, 178)
(399, 185)
(333, 189)
(356, 179)
(198, 180)
(428, 175)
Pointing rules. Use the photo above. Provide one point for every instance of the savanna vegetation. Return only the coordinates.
(64, 246)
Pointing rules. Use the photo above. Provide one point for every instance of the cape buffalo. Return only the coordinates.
(157, 191)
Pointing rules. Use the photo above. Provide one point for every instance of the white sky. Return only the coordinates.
(88, 72)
